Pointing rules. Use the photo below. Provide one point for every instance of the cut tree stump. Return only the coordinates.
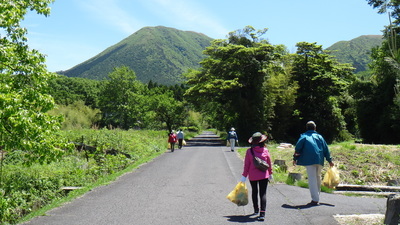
(392, 216)
(282, 164)
(295, 176)
(394, 182)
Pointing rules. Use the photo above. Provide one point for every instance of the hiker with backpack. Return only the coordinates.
(232, 138)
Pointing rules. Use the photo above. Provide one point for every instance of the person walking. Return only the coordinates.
(310, 151)
(258, 179)
(172, 140)
(232, 138)
(180, 137)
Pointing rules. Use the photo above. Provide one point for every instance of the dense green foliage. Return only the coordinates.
(121, 99)
(356, 51)
(131, 105)
(378, 111)
(247, 83)
(68, 90)
(229, 86)
(155, 53)
(24, 121)
(323, 84)
(127, 103)
(377, 98)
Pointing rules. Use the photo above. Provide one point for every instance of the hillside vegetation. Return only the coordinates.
(356, 51)
(159, 54)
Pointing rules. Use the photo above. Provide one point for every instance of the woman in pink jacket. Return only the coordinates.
(258, 179)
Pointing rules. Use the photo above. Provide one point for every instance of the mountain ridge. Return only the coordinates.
(356, 51)
(162, 54)
(145, 52)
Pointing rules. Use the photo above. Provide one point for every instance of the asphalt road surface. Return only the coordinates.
(189, 186)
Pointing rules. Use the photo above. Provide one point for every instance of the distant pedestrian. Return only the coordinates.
(180, 137)
(232, 138)
(172, 140)
(258, 179)
(310, 151)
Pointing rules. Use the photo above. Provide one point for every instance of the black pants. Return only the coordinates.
(172, 146)
(180, 141)
(259, 187)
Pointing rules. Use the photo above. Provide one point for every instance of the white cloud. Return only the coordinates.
(113, 13)
(187, 14)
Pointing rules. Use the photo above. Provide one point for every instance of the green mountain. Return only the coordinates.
(159, 54)
(162, 54)
(356, 51)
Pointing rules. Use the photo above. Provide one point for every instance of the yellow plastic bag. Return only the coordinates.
(183, 142)
(239, 195)
(331, 178)
(169, 145)
(228, 143)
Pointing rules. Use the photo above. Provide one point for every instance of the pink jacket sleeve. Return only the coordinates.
(247, 162)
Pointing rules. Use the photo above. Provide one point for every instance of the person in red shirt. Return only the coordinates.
(172, 139)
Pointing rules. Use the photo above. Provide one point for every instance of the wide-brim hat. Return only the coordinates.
(257, 138)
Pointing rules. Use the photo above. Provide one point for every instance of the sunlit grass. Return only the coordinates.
(357, 163)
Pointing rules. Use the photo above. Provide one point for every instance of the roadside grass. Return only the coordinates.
(79, 192)
(360, 164)
(27, 192)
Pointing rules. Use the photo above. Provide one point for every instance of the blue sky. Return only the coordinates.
(77, 30)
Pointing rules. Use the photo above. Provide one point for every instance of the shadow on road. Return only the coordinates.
(242, 219)
(306, 206)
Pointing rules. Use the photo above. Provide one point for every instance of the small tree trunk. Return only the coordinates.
(392, 216)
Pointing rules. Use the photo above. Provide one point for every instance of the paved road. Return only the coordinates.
(189, 186)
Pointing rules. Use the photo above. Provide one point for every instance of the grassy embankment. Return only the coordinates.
(358, 163)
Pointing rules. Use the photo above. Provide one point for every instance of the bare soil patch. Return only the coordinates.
(362, 219)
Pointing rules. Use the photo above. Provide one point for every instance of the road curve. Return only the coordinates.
(189, 186)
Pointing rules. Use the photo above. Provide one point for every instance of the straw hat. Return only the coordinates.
(257, 138)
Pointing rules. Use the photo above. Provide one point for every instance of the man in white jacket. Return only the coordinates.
(180, 137)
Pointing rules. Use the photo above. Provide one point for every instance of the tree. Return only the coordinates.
(229, 85)
(322, 84)
(280, 96)
(122, 99)
(24, 122)
(392, 7)
(68, 90)
(166, 108)
(377, 102)
(378, 110)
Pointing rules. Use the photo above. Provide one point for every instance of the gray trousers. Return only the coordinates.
(314, 181)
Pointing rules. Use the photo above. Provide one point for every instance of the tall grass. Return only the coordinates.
(77, 115)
